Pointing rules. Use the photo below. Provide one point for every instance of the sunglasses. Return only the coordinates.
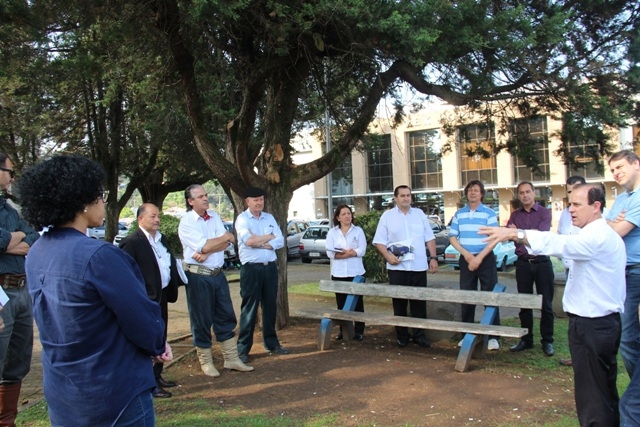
(11, 172)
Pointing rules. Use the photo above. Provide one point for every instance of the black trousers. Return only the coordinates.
(418, 308)
(542, 275)
(593, 343)
(488, 277)
(164, 313)
(342, 298)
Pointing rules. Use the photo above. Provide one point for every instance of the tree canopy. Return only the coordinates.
(251, 73)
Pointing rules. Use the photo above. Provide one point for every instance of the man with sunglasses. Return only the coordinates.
(16, 340)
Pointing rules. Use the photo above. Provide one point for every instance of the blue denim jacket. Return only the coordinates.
(97, 326)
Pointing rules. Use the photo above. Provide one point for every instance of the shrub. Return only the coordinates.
(374, 263)
(169, 228)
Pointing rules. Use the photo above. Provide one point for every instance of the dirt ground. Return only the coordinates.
(375, 383)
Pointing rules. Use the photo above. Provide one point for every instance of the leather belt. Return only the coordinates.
(260, 263)
(201, 269)
(15, 281)
(535, 260)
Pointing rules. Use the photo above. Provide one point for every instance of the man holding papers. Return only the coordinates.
(402, 236)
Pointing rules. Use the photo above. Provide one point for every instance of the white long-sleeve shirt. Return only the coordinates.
(596, 286)
(354, 239)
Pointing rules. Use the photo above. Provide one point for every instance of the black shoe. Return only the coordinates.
(244, 358)
(547, 349)
(521, 346)
(402, 343)
(339, 337)
(164, 383)
(358, 337)
(160, 393)
(279, 350)
(422, 342)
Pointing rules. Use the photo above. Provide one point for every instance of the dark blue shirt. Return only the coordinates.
(97, 326)
(10, 221)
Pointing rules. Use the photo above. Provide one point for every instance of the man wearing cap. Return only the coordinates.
(204, 240)
(258, 239)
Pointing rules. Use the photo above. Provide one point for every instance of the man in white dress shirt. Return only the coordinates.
(407, 228)
(593, 298)
(204, 239)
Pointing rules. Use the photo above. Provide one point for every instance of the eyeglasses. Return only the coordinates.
(11, 172)
(103, 195)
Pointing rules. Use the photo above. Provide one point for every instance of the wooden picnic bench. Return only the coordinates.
(474, 343)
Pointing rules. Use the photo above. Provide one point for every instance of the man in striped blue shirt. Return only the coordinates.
(477, 261)
(16, 339)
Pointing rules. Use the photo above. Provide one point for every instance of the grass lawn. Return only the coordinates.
(208, 412)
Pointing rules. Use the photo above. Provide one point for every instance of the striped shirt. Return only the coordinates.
(465, 226)
(10, 221)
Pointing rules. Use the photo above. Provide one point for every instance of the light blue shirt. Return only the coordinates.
(247, 225)
(465, 226)
(629, 201)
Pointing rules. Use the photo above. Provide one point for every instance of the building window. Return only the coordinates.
(582, 140)
(342, 179)
(530, 139)
(425, 159)
(477, 160)
(379, 170)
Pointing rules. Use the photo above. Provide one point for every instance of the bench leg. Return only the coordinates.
(324, 334)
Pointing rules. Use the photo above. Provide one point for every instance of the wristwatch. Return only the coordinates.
(520, 235)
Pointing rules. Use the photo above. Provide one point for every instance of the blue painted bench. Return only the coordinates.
(474, 343)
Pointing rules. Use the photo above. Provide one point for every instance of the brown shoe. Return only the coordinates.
(566, 362)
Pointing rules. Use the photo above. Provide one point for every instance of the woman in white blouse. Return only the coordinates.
(346, 245)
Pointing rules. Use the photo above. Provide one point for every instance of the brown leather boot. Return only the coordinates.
(9, 396)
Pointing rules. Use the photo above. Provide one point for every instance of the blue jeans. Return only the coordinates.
(630, 339)
(630, 403)
(210, 306)
(139, 412)
(16, 339)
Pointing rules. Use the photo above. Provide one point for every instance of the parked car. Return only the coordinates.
(324, 221)
(231, 258)
(312, 244)
(505, 255)
(295, 230)
(442, 236)
(98, 232)
(121, 235)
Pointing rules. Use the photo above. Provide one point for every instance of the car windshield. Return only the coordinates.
(315, 233)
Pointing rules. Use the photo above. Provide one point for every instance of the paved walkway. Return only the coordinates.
(298, 274)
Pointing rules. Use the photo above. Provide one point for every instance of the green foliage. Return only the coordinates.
(169, 228)
(126, 212)
(374, 263)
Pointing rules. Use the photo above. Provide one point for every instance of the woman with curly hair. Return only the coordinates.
(99, 330)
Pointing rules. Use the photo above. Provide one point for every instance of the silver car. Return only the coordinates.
(312, 244)
(295, 230)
